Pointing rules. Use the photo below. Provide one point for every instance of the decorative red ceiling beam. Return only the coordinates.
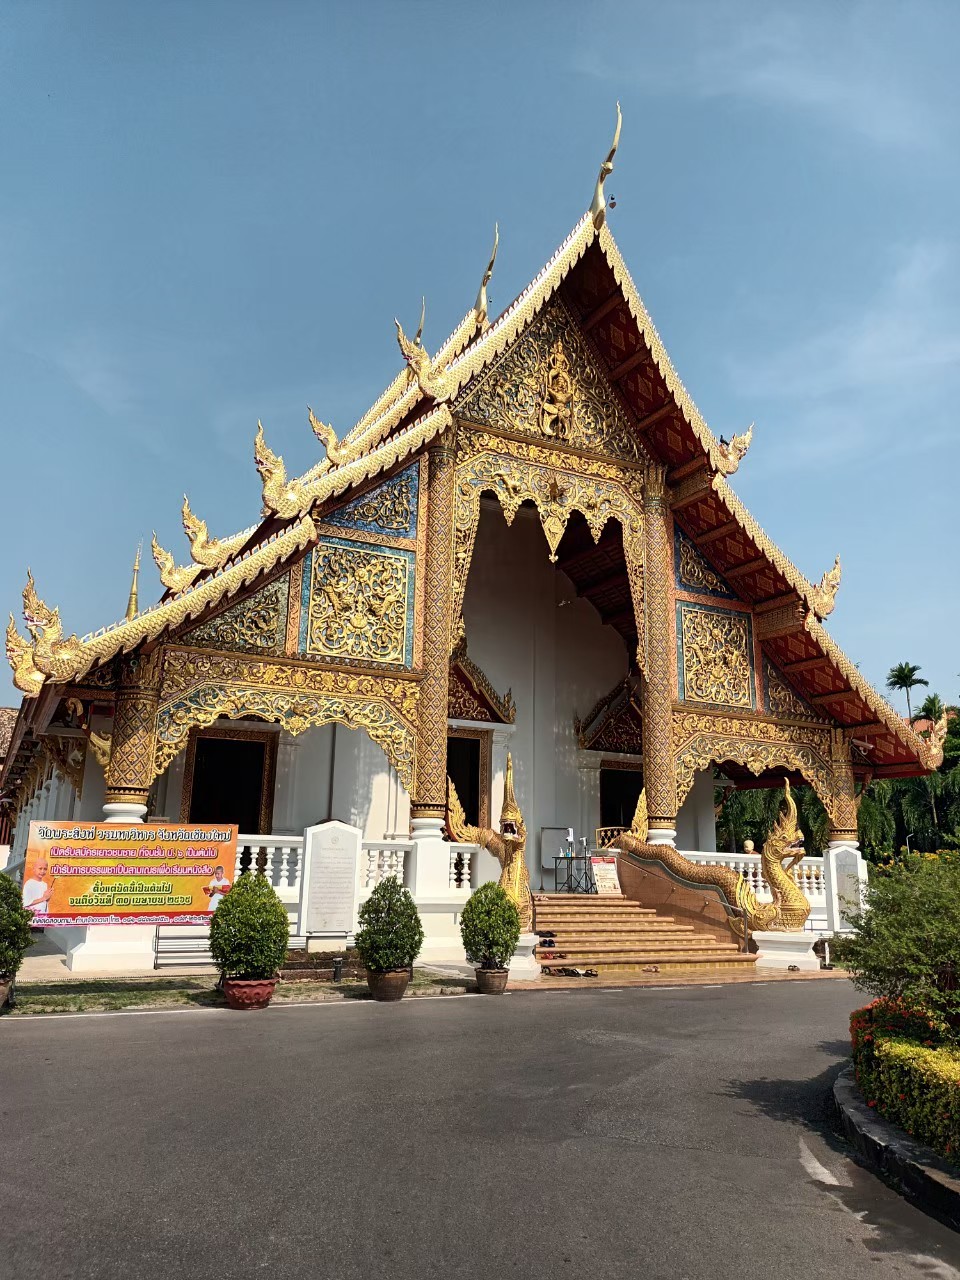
(597, 314)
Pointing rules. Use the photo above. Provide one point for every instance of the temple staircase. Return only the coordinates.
(617, 935)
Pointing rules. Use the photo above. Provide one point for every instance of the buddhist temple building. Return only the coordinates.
(529, 542)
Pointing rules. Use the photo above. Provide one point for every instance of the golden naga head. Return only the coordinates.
(325, 434)
(37, 615)
(825, 593)
(732, 453)
(936, 739)
(786, 836)
(512, 827)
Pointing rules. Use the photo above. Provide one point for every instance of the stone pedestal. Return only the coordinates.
(781, 950)
(114, 949)
(524, 966)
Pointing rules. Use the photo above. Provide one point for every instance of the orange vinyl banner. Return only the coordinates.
(85, 873)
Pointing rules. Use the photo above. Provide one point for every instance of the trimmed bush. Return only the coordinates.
(250, 930)
(908, 1069)
(490, 927)
(390, 934)
(15, 922)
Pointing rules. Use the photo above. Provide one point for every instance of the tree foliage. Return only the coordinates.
(906, 943)
(490, 927)
(895, 815)
(250, 930)
(15, 922)
(904, 677)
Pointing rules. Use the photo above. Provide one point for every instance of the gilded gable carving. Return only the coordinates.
(358, 604)
(254, 625)
(716, 656)
(389, 509)
(549, 386)
(782, 700)
(693, 571)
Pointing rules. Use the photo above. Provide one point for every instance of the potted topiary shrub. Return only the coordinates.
(249, 933)
(15, 922)
(490, 929)
(389, 939)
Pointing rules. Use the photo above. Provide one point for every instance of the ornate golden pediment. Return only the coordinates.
(549, 385)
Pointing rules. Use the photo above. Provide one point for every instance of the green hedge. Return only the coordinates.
(908, 1068)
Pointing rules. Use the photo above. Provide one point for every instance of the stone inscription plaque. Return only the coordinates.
(332, 884)
(848, 884)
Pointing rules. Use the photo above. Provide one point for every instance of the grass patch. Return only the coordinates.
(106, 995)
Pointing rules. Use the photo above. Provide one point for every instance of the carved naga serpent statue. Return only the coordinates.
(782, 851)
(508, 845)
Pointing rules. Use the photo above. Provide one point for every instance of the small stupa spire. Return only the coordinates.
(133, 604)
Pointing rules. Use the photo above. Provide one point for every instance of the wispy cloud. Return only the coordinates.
(854, 388)
(825, 64)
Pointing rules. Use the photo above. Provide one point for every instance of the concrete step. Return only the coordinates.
(671, 945)
(612, 965)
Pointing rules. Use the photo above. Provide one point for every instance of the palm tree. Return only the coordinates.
(932, 708)
(905, 676)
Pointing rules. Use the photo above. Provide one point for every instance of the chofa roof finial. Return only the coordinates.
(598, 209)
(480, 306)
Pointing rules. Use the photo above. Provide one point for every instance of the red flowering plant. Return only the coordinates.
(908, 1069)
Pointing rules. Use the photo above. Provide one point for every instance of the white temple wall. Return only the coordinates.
(527, 631)
(696, 820)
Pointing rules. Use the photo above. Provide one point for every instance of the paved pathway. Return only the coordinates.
(675, 1134)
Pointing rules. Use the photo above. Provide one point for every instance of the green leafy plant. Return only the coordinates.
(249, 930)
(906, 944)
(907, 1069)
(490, 927)
(15, 921)
(390, 934)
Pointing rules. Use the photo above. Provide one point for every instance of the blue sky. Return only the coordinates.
(210, 213)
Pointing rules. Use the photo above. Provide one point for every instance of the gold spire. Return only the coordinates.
(133, 604)
(480, 306)
(598, 208)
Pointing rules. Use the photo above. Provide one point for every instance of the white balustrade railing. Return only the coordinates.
(380, 859)
(280, 858)
(461, 865)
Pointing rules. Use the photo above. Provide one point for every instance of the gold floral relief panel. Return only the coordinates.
(548, 385)
(358, 603)
(255, 625)
(715, 656)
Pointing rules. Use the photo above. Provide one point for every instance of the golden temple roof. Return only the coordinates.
(419, 404)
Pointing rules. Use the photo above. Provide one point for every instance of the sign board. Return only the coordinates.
(329, 901)
(90, 873)
(605, 874)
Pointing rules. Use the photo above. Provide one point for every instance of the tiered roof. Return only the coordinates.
(422, 401)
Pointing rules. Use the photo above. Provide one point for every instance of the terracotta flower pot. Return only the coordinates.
(492, 982)
(248, 993)
(388, 986)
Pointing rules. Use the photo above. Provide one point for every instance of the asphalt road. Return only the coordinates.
(651, 1133)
